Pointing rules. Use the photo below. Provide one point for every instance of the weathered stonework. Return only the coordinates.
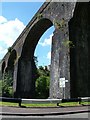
(80, 35)
(69, 62)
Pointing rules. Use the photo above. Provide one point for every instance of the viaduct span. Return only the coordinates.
(70, 55)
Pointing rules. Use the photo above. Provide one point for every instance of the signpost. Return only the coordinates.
(62, 82)
(62, 85)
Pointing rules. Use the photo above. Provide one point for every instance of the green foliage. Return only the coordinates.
(59, 24)
(35, 60)
(68, 43)
(43, 71)
(42, 87)
(0, 87)
(42, 83)
(10, 49)
(39, 16)
(6, 86)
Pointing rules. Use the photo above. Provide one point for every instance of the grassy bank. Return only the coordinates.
(44, 105)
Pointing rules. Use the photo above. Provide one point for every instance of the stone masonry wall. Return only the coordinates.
(67, 62)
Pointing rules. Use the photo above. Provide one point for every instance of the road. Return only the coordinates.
(78, 115)
(36, 113)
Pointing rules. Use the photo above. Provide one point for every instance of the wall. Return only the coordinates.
(70, 63)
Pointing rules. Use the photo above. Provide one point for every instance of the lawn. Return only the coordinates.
(44, 105)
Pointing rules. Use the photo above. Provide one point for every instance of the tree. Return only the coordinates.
(35, 60)
(42, 83)
(7, 89)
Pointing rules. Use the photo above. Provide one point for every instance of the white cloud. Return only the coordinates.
(49, 55)
(9, 31)
(2, 52)
(47, 41)
(2, 19)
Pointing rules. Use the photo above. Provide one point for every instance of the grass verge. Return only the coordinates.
(44, 105)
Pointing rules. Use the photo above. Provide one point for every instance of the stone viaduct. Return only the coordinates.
(70, 56)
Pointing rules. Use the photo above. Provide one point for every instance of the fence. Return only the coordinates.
(34, 101)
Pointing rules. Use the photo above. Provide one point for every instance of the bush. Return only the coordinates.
(6, 86)
(42, 83)
(42, 87)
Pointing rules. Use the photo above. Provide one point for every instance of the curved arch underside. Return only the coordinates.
(3, 67)
(10, 65)
(33, 37)
(65, 63)
(26, 61)
(11, 60)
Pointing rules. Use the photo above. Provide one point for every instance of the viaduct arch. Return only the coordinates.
(70, 38)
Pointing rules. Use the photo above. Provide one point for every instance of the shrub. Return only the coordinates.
(42, 87)
(6, 86)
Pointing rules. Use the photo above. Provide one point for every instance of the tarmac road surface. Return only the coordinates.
(52, 112)
(76, 115)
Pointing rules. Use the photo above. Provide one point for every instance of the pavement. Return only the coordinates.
(17, 111)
